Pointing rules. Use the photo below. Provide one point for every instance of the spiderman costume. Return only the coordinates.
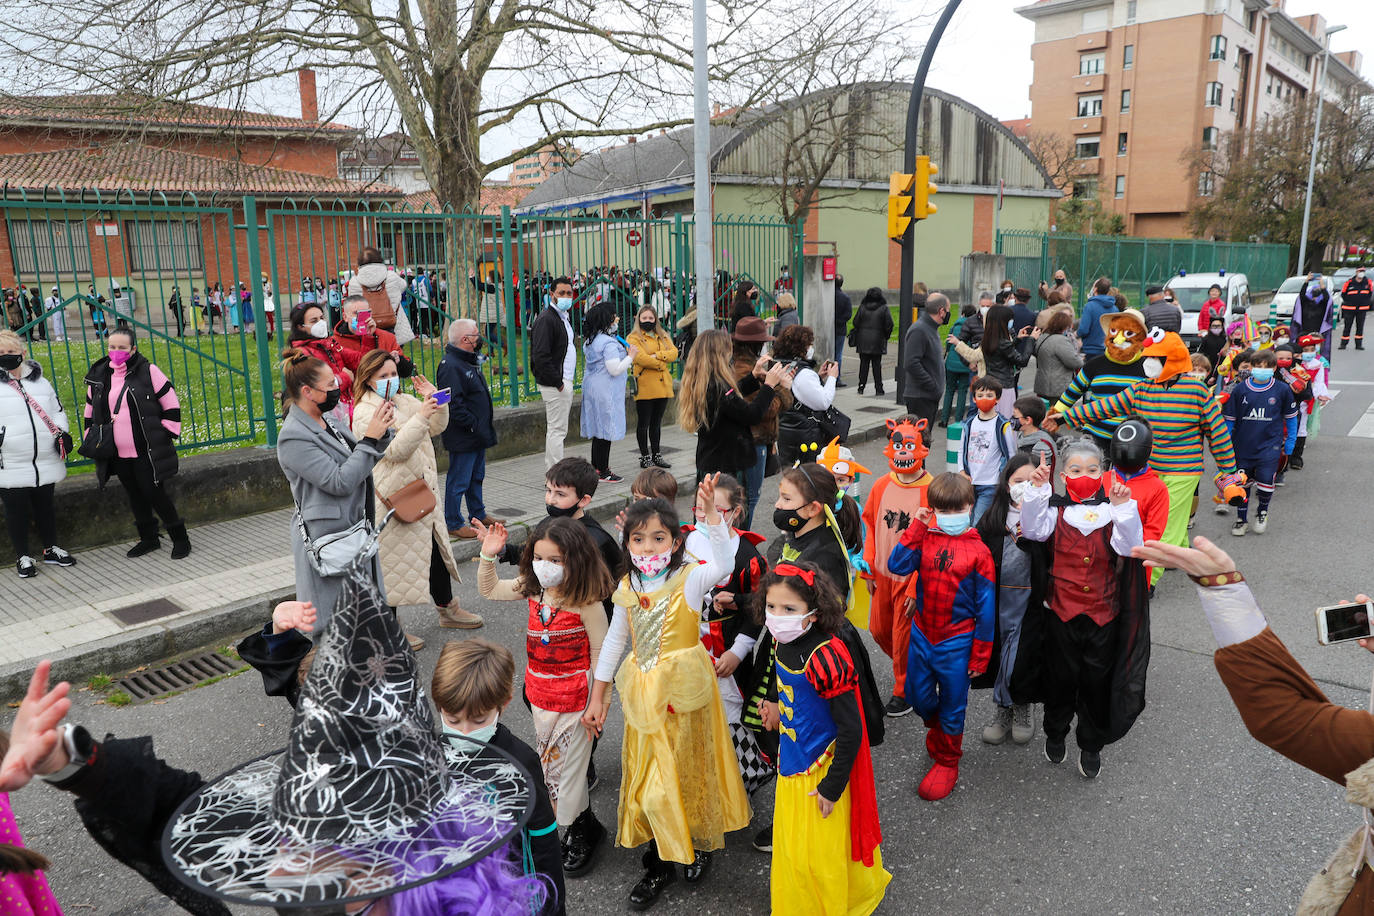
(954, 602)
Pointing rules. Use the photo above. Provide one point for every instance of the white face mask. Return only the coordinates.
(787, 627)
(549, 573)
(1019, 491)
(983, 311)
(810, 352)
(320, 329)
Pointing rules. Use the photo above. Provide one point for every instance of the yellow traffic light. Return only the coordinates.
(924, 188)
(899, 202)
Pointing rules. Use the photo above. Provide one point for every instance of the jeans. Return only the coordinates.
(872, 361)
(557, 405)
(146, 496)
(839, 347)
(982, 498)
(649, 424)
(25, 506)
(956, 383)
(753, 484)
(466, 471)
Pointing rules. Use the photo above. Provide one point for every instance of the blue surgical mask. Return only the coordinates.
(387, 387)
(1011, 323)
(563, 305)
(953, 523)
(468, 748)
(1262, 376)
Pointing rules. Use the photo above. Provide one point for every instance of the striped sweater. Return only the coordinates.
(1180, 412)
(1100, 378)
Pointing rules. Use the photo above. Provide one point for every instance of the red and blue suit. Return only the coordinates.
(953, 604)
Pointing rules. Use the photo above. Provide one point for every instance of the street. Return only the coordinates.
(1189, 815)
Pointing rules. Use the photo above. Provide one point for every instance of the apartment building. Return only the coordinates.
(1138, 84)
(542, 164)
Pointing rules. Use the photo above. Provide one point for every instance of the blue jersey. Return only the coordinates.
(1263, 421)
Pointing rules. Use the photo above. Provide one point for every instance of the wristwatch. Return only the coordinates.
(81, 752)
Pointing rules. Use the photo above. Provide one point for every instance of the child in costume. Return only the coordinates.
(952, 608)
(1315, 370)
(563, 580)
(680, 788)
(1131, 447)
(989, 440)
(839, 461)
(828, 860)
(892, 505)
(1121, 365)
(1262, 414)
(1089, 533)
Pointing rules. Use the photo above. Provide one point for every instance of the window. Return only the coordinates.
(1125, 100)
(1233, 103)
(1214, 95)
(1121, 144)
(1096, 20)
(1209, 137)
(1206, 184)
(1089, 106)
(48, 247)
(1128, 57)
(163, 245)
(1088, 147)
(1120, 186)
(1130, 11)
(1218, 48)
(1085, 189)
(1091, 64)
(1250, 21)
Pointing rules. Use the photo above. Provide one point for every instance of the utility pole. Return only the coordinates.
(701, 181)
(1316, 141)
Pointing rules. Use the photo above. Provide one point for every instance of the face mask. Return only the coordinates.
(810, 352)
(1285, 362)
(1308, 355)
(320, 329)
(331, 400)
(1007, 290)
(1262, 376)
(953, 523)
(549, 574)
(466, 748)
(560, 511)
(563, 304)
(387, 387)
(477, 347)
(985, 404)
(1011, 324)
(1019, 491)
(983, 311)
(647, 326)
(1280, 340)
(1058, 281)
(10, 361)
(1081, 488)
(787, 627)
(788, 520)
(120, 357)
(653, 565)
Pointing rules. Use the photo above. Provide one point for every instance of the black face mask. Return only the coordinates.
(477, 347)
(1058, 281)
(648, 326)
(560, 512)
(331, 400)
(788, 520)
(11, 361)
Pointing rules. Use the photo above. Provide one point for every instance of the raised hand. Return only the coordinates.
(293, 615)
(924, 515)
(1202, 559)
(1041, 475)
(423, 386)
(381, 421)
(706, 499)
(493, 538)
(1119, 494)
(34, 741)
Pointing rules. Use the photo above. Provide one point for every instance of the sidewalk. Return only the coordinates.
(109, 614)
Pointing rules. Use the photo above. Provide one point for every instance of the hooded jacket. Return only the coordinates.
(872, 326)
(28, 450)
(156, 412)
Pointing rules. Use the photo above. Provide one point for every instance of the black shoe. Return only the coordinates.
(56, 556)
(644, 461)
(840, 384)
(1054, 749)
(943, 424)
(181, 543)
(860, 389)
(646, 893)
(658, 461)
(763, 840)
(897, 707)
(1359, 346)
(1344, 344)
(881, 392)
(1295, 463)
(592, 779)
(609, 477)
(1089, 764)
(582, 843)
(27, 568)
(697, 870)
(144, 547)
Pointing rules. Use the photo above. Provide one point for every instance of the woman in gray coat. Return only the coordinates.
(1057, 357)
(329, 471)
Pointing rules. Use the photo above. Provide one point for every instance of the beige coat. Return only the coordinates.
(405, 550)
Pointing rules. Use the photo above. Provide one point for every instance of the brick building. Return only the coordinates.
(542, 164)
(1138, 84)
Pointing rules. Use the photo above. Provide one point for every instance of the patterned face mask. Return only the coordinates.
(652, 565)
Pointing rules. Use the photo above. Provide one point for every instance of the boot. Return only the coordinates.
(996, 731)
(148, 541)
(181, 543)
(658, 461)
(940, 780)
(453, 617)
(644, 461)
(657, 876)
(1022, 724)
(582, 843)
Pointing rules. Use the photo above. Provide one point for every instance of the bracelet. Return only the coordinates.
(482, 556)
(1226, 578)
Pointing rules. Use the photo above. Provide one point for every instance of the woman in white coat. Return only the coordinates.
(417, 562)
(32, 433)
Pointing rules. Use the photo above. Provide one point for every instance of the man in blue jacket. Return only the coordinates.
(471, 428)
(1100, 303)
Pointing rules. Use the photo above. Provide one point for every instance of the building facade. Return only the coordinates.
(1138, 85)
(542, 164)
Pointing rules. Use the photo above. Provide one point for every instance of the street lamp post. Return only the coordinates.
(701, 180)
(1316, 141)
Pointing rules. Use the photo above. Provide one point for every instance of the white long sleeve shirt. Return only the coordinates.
(807, 389)
(1038, 519)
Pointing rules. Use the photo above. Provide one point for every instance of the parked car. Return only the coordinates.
(1190, 292)
(1285, 296)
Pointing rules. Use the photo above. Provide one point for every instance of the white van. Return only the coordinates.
(1190, 292)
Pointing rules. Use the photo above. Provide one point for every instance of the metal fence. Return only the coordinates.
(192, 280)
(1133, 263)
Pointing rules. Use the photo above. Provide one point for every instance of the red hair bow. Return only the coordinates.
(787, 569)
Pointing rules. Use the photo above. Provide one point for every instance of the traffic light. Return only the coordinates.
(899, 200)
(924, 188)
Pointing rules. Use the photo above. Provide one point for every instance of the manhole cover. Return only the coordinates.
(878, 408)
(146, 611)
(506, 513)
(146, 685)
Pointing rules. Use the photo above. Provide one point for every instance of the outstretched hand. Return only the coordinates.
(1119, 494)
(1202, 559)
(493, 537)
(293, 615)
(34, 741)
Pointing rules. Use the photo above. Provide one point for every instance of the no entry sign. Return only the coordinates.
(633, 237)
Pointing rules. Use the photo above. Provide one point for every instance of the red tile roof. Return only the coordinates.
(134, 112)
(492, 198)
(1018, 126)
(141, 168)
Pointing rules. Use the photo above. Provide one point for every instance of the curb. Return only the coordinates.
(115, 655)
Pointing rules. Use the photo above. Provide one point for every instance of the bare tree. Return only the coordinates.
(1058, 153)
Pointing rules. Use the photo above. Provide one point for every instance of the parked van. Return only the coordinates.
(1190, 292)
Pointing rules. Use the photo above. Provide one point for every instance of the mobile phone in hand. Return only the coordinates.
(364, 316)
(1339, 623)
(443, 396)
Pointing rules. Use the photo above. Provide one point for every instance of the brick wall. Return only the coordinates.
(984, 206)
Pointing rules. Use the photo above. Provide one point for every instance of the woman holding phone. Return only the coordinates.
(417, 563)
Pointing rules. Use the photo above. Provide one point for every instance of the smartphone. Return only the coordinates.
(1344, 622)
(443, 396)
(364, 316)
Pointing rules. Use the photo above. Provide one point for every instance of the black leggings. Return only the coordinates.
(440, 583)
(875, 362)
(146, 496)
(601, 454)
(649, 428)
(26, 505)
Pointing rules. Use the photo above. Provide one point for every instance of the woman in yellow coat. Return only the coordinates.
(653, 383)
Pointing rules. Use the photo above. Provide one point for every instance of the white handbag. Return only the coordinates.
(335, 554)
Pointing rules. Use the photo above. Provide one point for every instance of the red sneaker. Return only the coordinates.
(939, 782)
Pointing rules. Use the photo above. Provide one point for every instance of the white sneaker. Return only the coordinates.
(1261, 521)
(1238, 529)
(1221, 509)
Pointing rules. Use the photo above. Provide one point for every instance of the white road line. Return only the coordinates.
(1351, 384)
(1364, 426)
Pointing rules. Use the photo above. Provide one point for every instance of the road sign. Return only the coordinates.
(633, 237)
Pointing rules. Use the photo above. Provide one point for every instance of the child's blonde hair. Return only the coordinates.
(655, 483)
(473, 676)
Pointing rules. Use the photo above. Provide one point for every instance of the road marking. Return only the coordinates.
(1364, 426)
(1351, 384)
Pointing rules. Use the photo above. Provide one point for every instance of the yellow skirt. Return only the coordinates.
(813, 872)
(858, 607)
(680, 783)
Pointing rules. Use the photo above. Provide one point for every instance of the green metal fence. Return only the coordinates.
(193, 279)
(1133, 263)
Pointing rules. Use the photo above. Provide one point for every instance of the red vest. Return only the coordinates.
(1083, 573)
(559, 657)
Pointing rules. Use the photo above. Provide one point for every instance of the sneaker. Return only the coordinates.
(1192, 520)
(1261, 521)
(1279, 481)
(609, 477)
(452, 617)
(1022, 723)
(56, 556)
(1221, 509)
(1295, 463)
(897, 707)
(1089, 764)
(996, 731)
(27, 568)
(1054, 749)
(763, 840)
(1238, 529)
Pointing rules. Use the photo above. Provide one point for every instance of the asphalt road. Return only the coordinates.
(1189, 816)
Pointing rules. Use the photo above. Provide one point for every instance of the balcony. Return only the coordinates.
(1092, 41)
(1094, 83)
(1086, 125)
(1084, 167)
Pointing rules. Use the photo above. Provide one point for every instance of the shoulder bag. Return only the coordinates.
(412, 502)
(334, 554)
(380, 303)
(98, 443)
(63, 440)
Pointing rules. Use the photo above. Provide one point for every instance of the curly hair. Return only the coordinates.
(793, 342)
(820, 594)
(586, 580)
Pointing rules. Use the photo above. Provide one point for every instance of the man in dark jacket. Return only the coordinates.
(1021, 314)
(1160, 312)
(1355, 302)
(553, 362)
(924, 362)
(471, 430)
(844, 310)
(1100, 303)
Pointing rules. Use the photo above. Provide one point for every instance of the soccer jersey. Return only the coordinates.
(1259, 418)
